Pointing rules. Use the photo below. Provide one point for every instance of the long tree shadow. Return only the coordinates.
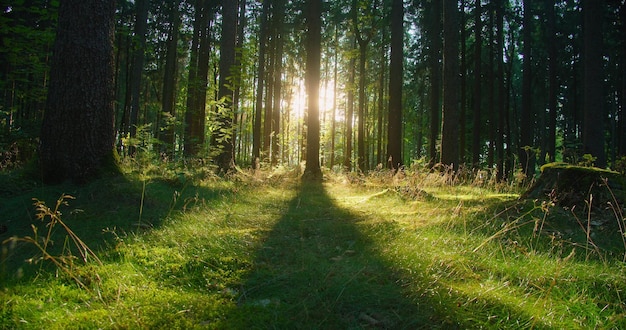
(317, 270)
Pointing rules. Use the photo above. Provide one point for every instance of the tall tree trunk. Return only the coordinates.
(224, 138)
(197, 80)
(363, 40)
(169, 80)
(258, 113)
(238, 116)
(622, 117)
(279, 14)
(333, 126)
(551, 45)
(477, 98)
(593, 102)
(349, 113)
(463, 114)
(139, 46)
(380, 154)
(492, 127)
(269, 95)
(451, 80)
(435, 80)
(77, 136)
(313, 170)
(526, 155)
(394, 133)
(361, 165)
(502, 109)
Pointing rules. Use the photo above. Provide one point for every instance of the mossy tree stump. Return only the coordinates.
(569, 185)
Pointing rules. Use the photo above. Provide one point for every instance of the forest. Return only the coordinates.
(230, 164)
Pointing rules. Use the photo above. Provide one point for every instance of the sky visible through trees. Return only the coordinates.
(504, 85)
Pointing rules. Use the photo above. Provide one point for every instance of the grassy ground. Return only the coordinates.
(184, 252)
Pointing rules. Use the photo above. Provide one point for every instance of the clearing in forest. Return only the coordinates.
(366, 253)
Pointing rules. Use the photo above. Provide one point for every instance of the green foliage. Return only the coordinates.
(587, 160)
(620, 165)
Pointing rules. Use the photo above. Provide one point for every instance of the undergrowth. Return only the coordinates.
(181, 248)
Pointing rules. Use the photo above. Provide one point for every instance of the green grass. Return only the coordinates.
(184, 251)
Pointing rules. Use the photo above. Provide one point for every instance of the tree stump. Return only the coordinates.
(569, 185)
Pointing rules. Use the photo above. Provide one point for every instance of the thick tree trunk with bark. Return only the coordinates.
(77, 135)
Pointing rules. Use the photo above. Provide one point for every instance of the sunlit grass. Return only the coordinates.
(243, 254)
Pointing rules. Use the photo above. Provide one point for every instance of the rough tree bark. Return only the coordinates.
(77, 134)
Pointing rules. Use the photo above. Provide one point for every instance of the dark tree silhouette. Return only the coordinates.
(77, 136)
(312, 170)
(394, 147)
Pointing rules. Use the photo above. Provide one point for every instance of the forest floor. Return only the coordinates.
(178, 250)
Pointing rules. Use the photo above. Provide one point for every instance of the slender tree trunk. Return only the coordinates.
(477, 101)
(169, 80)
(502, 109)
(197, 80)
(238, 116)
(451, 82)
(258, 119)
(394, 133)
(491, 79)
(139, 46)
(334, 115)
(381, 97)
(361, 166)
(77, 134)
(279, 13)
(269, 97)
(224, 138)
(551, 45)
(349, 114)
(313, 170)
(463, 115)
(622, 117)
(526, 142)
(435, 78)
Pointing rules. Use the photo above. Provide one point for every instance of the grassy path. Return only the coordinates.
(242, 255)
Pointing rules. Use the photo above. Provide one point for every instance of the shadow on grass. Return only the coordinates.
(317, 270)
(101, 212)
